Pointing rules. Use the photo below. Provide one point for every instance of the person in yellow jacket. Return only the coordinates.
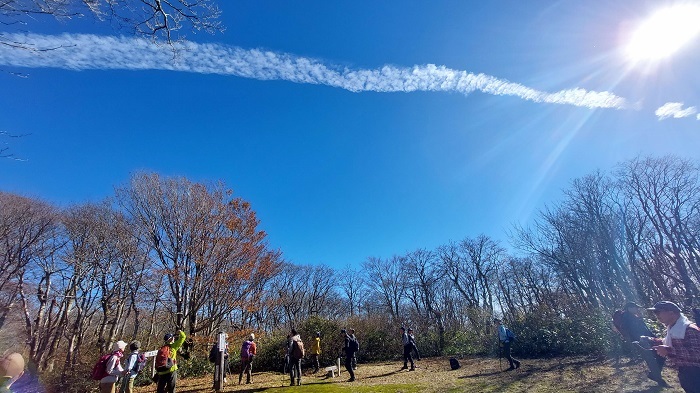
(168, 378)
(316, 351)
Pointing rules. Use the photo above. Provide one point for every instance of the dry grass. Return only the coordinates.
(571, 374)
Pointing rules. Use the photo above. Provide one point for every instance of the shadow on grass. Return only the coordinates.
(384, 375)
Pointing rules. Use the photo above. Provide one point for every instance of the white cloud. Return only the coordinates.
(83, 52)
(675, 110)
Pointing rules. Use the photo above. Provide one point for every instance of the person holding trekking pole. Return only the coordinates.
(506, 338)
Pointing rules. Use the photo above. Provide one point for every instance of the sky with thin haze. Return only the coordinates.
(355, 129)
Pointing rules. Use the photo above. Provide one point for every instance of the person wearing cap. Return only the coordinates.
(348, 354)
(407, 349)
(414, 346)
(168, 379)
(506, 343)
(113, 367)
(248, 352)
(11, 369)
(130, 371)
(316, 352)
(681, 344)
(634, 328)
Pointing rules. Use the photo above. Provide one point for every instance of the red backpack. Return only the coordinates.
(164, 360)
(99, 370)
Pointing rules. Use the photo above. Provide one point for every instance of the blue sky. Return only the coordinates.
(355, 129)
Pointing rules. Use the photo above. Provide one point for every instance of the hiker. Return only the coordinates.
(13, 378)
(681, 344)
(113, 368)
(134, 365)
(214, 356)
(351, 333)
(248, 352)
(166, 362)
(632, 327)
(349, 353)
(11, 369)
(506, 338)
(316, 351)
(412, 339)
(407, 349)
(296, 353)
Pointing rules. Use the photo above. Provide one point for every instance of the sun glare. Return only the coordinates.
(664, 33)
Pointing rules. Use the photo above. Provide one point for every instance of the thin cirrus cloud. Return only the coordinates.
(675, 110)
(87, 52)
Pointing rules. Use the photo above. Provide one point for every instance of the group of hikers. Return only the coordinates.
(680, 346)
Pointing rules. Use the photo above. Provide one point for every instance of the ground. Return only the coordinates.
(570, 374)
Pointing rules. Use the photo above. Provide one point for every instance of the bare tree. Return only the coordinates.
(157, 19)
(387, 277)
(205, 242)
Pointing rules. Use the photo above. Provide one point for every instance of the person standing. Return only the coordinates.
(296, 353)
(505, 337)
(113, 368)
(248, 352)
(414, 347)
(349, 353)
(407, 349)
(316, 352)
(633, 328)
(131, 370)
(351, 333)
(681, 344)
(167, 378)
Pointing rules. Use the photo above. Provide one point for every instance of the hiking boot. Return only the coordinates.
(352, 379)
(412, 369)
(404, 368)
(517, 365)
(298, 382)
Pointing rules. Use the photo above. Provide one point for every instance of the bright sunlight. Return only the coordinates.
(664, 33)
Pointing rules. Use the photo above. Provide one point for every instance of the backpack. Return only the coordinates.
(510, 335)
(164, 360)
(353, 345)
(297, 349)
(245, 350)
(454, 364)
(140, 363)
(617, 320)
(99, 370)
(212, 353)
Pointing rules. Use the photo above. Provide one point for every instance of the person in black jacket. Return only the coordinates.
(349, 354)
(634, 328)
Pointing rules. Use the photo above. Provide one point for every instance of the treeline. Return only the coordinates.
(167, 252)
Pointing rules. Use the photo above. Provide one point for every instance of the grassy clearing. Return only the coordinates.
(571, 374)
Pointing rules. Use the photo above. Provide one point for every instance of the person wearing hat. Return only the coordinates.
(167, 379)
(634, 328)
(114, 368)
(131, 371)
(316, 352)
(681, 344)
(248, 352)
(11, 369)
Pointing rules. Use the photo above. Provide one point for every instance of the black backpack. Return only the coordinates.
(454, 364)
(353, 345)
